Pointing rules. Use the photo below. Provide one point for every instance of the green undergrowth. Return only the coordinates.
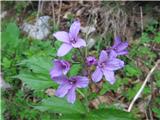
(26, 64)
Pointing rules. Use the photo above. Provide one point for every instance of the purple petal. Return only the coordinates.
(117, 40)
(103, 56)
(65, 66)
(109, 75)
(74, 29)
(91, 60)
(82, 82)
(122, 46)
(63, 89)
(114, 64)
(56, 70)
(64, 49)
(97, 75)
(71, 96)
(112, 54)
(60, 79)
(124, 52)
(62, 36)
(80, 43)
(61, 67)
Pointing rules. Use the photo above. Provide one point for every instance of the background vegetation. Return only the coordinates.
(25, 62)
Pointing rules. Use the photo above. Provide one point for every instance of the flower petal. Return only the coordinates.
(60, 79)
(117, 40)
(109, 75)
(103, 56)
(80, 43)
(62, 36)
(82, 82)
(124, 52)
(71, 96)
(56, 70)
(64, 49)
(112, 54)
(63, 89)
(65, 66)
(114, 64)
(74, 29)
(122, 46)
(97, 75)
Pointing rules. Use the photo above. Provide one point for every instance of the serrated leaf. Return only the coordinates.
(132, 70)
(145, 38)
(38, 64)
(109, 114)
(36, 81)
(60, 105)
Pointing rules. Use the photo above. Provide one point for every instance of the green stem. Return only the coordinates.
(80, 93)
(85, 96)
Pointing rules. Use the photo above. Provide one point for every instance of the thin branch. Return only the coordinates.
(59, 13)
(39, 9)
(143, 85)
(141, 11)
(53, 13)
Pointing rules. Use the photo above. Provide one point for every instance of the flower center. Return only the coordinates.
(115, 49)
(102, 64)
(73, 41)
(72, 81)
(64, 66)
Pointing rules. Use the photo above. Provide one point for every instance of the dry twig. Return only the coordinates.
(143, 85)
(59, 13)
(141, 19)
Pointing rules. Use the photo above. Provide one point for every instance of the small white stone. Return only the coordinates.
(39, 30)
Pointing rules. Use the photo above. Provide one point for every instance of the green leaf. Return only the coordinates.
(74, 69)
(107, 86)
(156, 111)
(38, 64)
(157, 38)
(36, 81)
(131, 92)
(157, 78)
(60, 105)
(145, 38)
(10, 36)
(109, 114)
(132, 71)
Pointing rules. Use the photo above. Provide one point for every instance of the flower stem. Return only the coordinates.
(80, 93)
(85, 66)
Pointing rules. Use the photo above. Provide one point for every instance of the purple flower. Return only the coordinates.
(61, 67)
(107, 64)
(91, 60)
(119, 47)
(68, 87)
(70, 40)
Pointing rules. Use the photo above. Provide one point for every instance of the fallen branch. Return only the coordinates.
(143, 85)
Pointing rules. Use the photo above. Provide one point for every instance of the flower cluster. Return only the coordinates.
(106, 65)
